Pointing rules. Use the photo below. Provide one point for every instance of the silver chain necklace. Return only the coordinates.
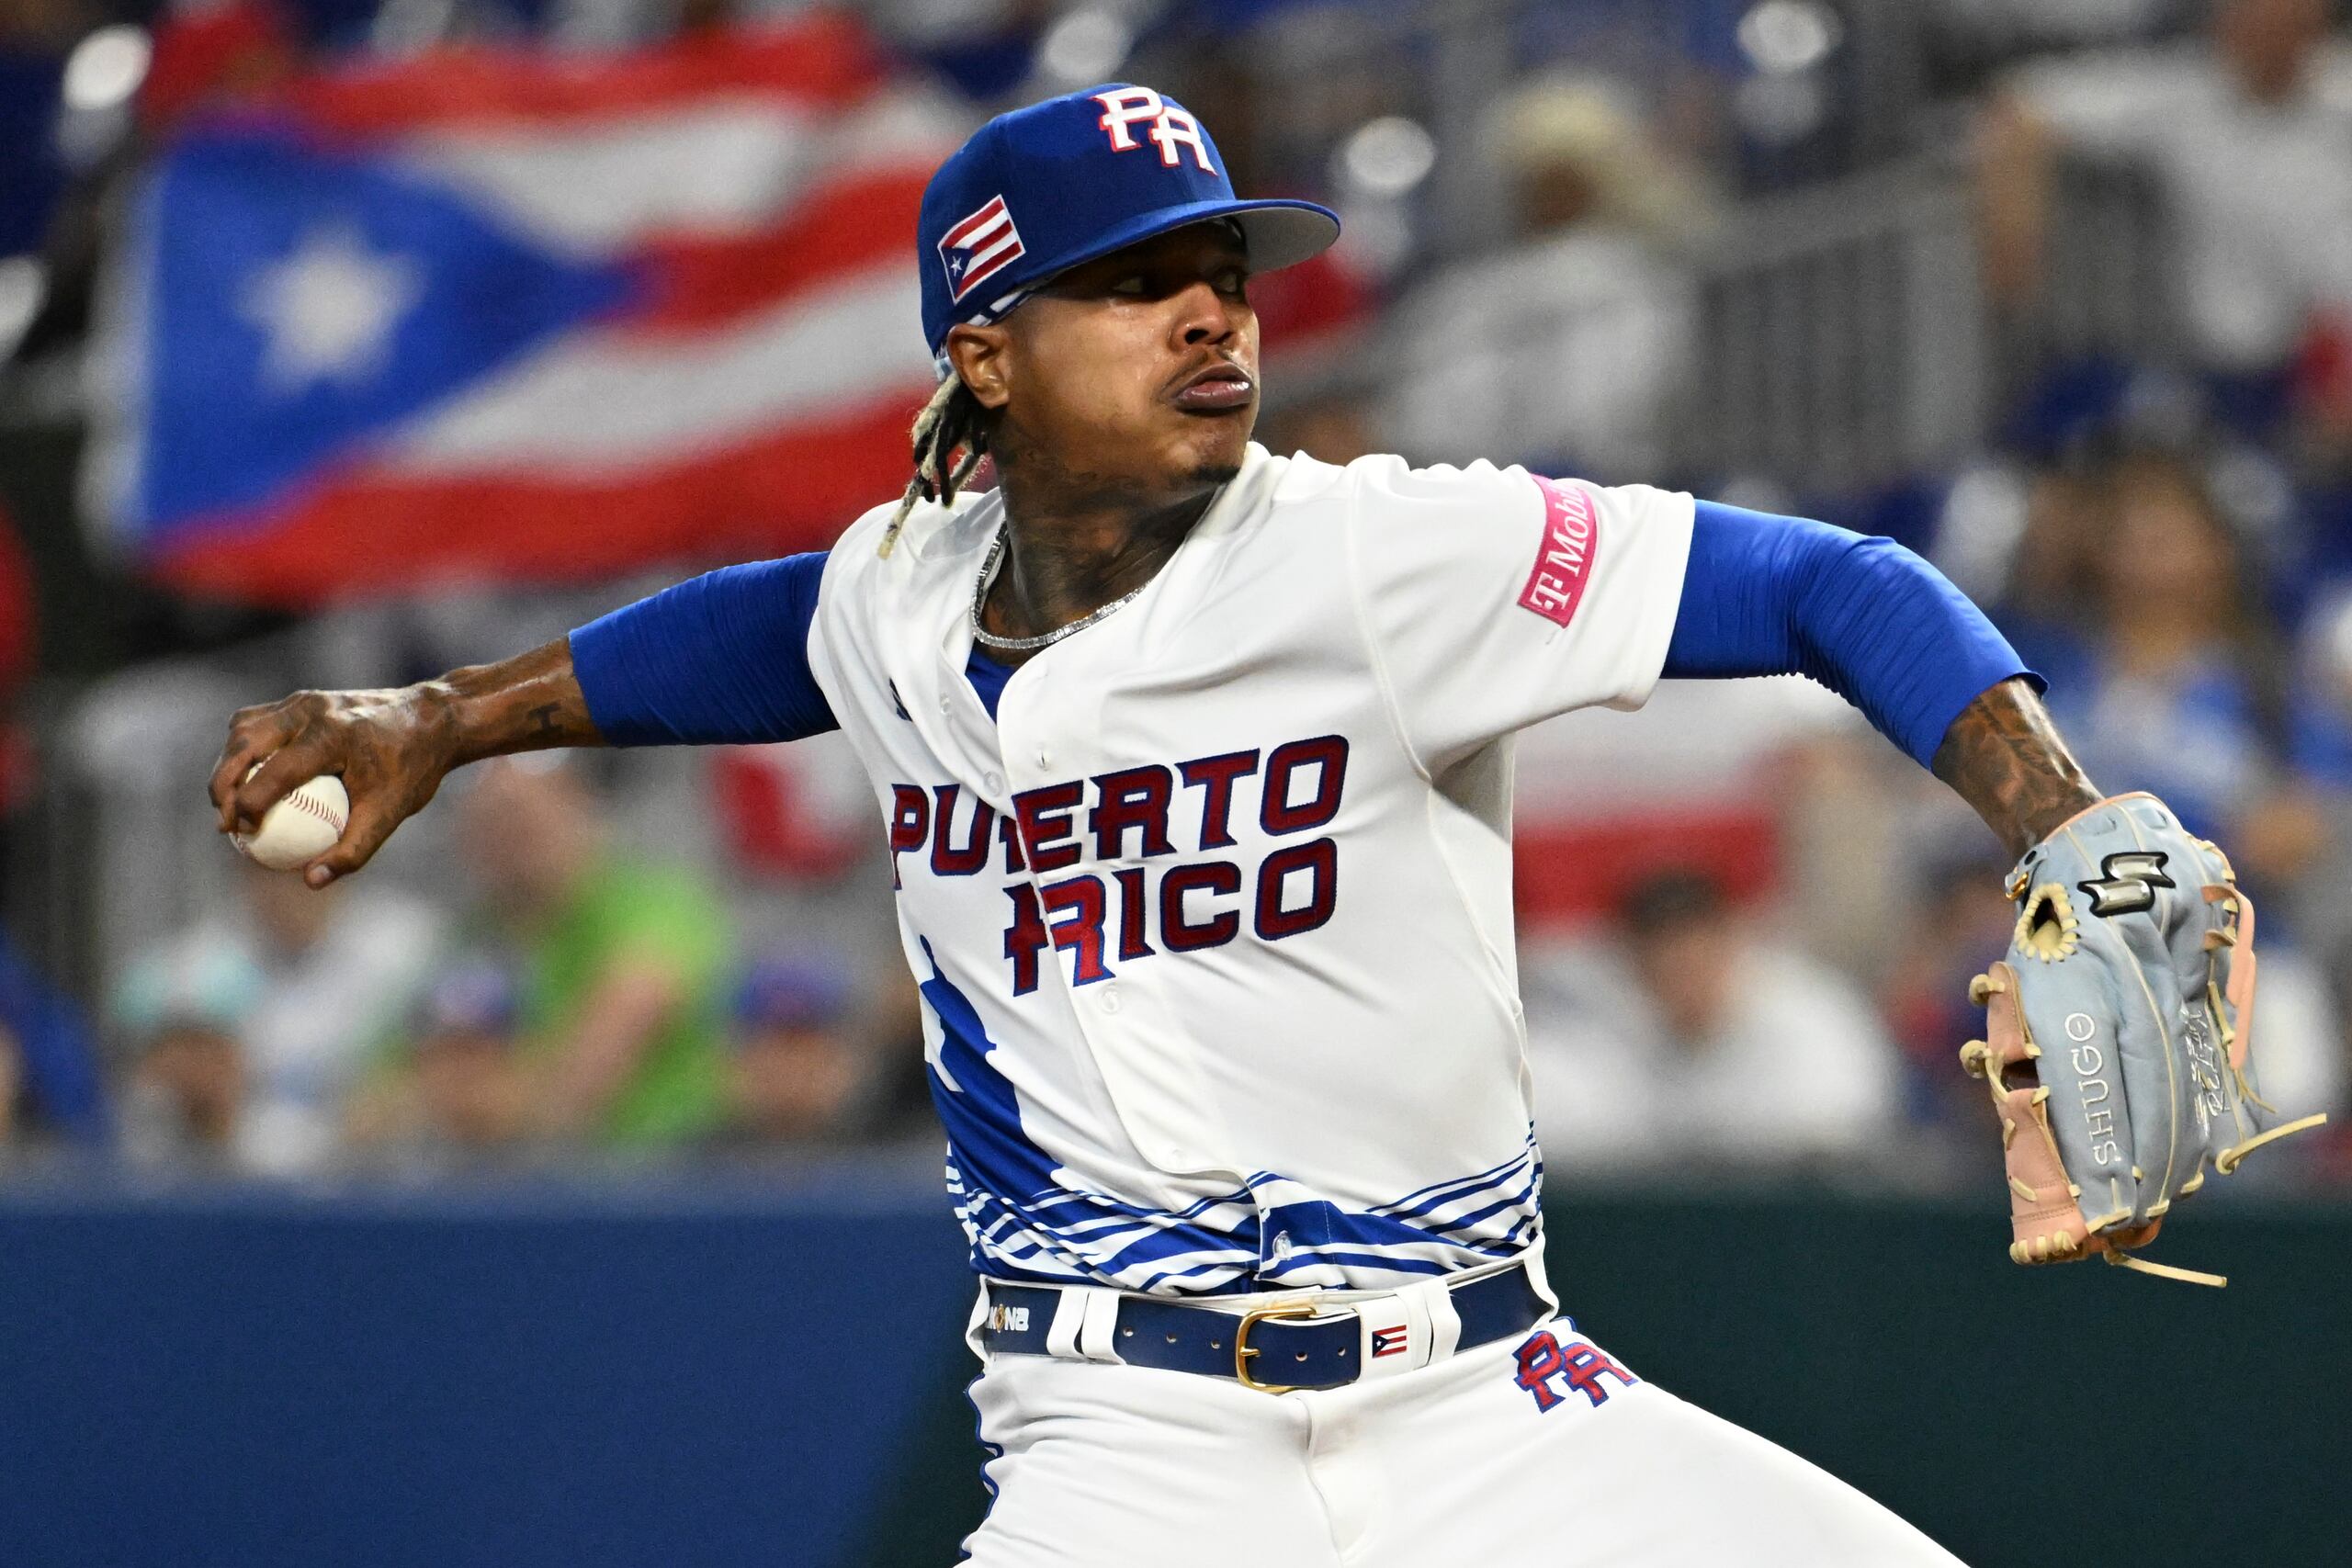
(1030, 644)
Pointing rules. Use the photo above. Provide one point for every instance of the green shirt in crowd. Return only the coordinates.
(621, 911)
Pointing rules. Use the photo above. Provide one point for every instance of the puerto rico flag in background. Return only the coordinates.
(484, 315)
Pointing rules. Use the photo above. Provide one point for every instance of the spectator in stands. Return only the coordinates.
(1694, 1044)
(2165, 673)
(454, 1090)
(326, 973)
(622, 962)
(2042, 575)
(468, 1088)
(2247, 136)
(1960, 923)
(800, 1074)
(1565, 349)
(50, 1083)
(180, 1015)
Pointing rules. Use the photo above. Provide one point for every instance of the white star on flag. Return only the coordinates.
(329, 309)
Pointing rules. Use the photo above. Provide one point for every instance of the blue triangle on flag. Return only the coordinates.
(301, 304)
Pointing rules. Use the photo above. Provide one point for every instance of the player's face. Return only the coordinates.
(1138, 371)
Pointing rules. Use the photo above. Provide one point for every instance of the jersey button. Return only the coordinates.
(945, 704)
(994, 781)
(1107, 999)
(1045, 758)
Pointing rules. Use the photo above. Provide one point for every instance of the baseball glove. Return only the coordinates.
(2119, 1033)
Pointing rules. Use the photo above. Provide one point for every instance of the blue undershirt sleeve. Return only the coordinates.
(1768, 595)
(720, 659)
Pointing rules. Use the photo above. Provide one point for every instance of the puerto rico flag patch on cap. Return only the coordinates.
(981, 246)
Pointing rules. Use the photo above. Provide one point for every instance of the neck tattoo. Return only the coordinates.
(1030, 644)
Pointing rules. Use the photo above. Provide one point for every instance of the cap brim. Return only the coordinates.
(1279, 232)
(1284, 233)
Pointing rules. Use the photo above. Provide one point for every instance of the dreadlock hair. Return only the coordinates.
(952, 421)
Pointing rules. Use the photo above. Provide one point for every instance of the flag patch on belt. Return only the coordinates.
(1389, 1341)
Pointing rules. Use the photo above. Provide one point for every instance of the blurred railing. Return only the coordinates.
(2108, 287)
(1842, 337)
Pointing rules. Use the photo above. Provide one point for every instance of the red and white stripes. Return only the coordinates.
(750, 397)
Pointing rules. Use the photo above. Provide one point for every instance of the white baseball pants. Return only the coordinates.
(1458, 1464)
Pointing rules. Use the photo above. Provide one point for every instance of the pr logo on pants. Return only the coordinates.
(1582, 1367)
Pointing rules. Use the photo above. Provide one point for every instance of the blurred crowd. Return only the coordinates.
(583, 998)
(1748, 926)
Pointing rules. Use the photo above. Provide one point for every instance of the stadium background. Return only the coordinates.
(347, 342)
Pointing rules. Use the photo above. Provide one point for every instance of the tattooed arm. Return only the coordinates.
(723, 658)
(2004, 758)
(394, 747)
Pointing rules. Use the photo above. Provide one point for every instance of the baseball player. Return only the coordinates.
(1196, 764)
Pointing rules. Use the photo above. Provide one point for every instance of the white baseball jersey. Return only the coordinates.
(1214, 918)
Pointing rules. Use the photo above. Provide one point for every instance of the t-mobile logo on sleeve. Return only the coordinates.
(1563, 559)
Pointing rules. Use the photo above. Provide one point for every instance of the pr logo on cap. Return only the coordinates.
(1086, 174)
(977, 247)
(1173, 125)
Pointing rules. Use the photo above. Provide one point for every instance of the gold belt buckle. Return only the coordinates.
(1244, 1353)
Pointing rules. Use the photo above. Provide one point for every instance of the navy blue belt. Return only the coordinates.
(1277, 1347)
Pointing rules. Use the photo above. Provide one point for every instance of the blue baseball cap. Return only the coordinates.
(1037, 191)
(474, 997)
(793, 990)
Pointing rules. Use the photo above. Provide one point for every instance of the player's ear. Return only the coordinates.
(978, 353)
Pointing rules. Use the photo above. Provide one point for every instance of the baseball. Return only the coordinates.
(299, 827)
